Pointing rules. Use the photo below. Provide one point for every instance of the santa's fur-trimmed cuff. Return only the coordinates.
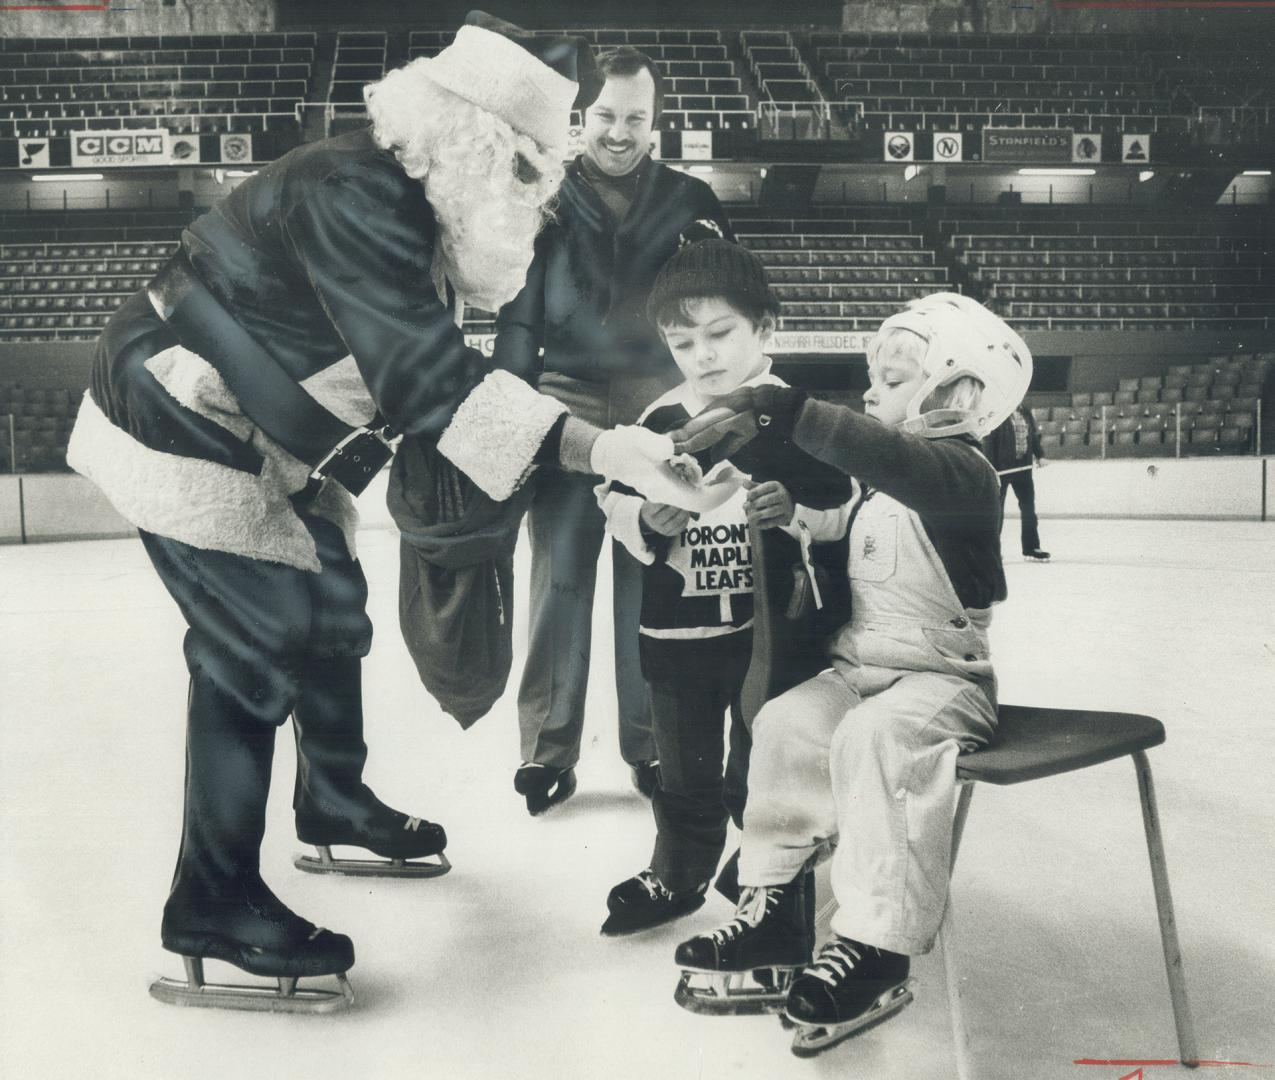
(496, 431)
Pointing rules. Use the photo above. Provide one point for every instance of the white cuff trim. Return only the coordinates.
(623, 514)
(496, 430)
(823, 525)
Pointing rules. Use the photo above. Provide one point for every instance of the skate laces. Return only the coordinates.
(836, 960)
(754, 905)
(653, 885)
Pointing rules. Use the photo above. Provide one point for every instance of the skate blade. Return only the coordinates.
(733, 993)
(326, 863)
(286, 998)
(809, 1039)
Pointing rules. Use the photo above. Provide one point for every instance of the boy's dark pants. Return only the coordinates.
(693, 802)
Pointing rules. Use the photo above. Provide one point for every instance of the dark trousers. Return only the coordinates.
(694, 800)
(1025, 492)
(265, 642)
(566, 527)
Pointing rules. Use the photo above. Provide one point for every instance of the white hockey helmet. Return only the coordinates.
(964, 338)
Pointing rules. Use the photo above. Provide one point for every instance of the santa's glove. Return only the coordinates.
(639, 457)
(736, 419)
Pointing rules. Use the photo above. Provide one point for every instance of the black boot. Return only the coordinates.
(219, 908)
(332, 804)
(543, 786)
(643, 901)
(773, 927)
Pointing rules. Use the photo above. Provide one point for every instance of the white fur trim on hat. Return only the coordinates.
(496, 431)
(502, 77)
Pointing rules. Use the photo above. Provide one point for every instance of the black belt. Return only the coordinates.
(270, 397)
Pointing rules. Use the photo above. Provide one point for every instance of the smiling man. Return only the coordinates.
(620, 216)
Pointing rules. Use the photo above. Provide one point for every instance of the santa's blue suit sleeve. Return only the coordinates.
(367, 246)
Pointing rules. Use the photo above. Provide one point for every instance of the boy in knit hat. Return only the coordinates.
(715, 311)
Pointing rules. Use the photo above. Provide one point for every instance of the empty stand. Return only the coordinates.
(192, 84)
(1139, 271)
(703, 90)
(62, 275)
(967, 82)
(359, 60)
(1151, 415)
(791, 105)
(840, 268)
(35, 424)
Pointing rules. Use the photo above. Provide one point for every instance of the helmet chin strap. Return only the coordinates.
(940, 423)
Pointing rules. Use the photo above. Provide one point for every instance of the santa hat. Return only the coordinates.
(531, 82)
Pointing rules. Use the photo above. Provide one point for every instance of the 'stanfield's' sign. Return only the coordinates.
(1028, 146)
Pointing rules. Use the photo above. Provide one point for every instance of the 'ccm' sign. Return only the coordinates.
(92, 148)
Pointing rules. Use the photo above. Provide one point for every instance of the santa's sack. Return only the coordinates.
(455, 596)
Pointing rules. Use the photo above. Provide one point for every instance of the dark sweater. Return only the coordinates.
(722, 559)
(585, 296)
(947, 482)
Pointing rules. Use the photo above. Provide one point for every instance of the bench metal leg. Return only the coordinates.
(960, 1034)
(1189, 1055)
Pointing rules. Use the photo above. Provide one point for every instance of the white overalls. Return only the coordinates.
(865, 752)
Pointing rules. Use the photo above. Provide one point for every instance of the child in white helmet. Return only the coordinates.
(864, 754)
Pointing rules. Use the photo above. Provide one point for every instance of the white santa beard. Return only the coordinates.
(487, 236)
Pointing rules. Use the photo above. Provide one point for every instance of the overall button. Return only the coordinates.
(960, 622)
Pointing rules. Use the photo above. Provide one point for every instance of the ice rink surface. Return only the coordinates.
(497, 969)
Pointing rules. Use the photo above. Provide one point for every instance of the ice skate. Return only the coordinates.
(241, 922)
(333, 806)
(288, 997)
(1036, 555)
(219, 908)
(849, 988)
(643, 902)
(747, 965)
(544, 786)
(259, 936)
(405, 844)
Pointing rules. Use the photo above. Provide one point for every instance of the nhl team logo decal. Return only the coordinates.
(947, 146)
(1085, 146)
(236, 149)
(1135, 148)
(899, 145)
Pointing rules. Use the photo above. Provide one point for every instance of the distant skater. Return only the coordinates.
(1015, 452)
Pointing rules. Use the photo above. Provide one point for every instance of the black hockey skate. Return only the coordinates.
(333, 806)
(849, 988)
(643, 902)
(256, 932)
(404, 843)
(746, 966)
(1036, 555)
(543, 786)
(646, 777)
(218, 907)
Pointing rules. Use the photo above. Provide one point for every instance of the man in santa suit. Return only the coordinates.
(316, 310)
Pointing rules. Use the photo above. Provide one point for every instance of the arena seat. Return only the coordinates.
(202, 86)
